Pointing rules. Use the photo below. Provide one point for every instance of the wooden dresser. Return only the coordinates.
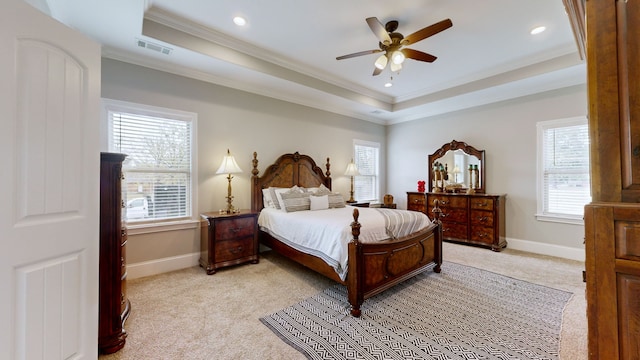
(228, 239)
(477, 219)
(114, 306)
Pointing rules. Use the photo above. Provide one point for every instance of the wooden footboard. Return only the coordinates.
(375, 267)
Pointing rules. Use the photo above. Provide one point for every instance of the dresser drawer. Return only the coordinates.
(481, 218)
(453, 215)
(482, 234)
(234, 228)
(446, 201)
(454, 231)
(234, 249)
(482, 204)
(416, 202)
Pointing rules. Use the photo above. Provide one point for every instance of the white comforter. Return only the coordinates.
(326, 233)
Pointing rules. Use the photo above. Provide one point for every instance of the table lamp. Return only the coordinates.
(229, 166)
(352, 170)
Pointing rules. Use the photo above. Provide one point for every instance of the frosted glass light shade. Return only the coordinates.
(381, 62)
(395, 67)
(397, 57)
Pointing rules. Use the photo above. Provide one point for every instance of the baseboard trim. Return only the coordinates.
(546, 249)
(159, 266)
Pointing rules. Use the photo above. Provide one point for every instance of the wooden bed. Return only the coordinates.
(372, 267)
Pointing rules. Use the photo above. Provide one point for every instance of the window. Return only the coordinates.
(563, 170)
(367, 159)
(158, 176)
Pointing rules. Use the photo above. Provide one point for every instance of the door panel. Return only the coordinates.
(49, 172)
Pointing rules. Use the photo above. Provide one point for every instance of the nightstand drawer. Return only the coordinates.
(234, 228)
(234, 249)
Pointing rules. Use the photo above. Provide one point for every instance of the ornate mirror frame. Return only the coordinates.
(468, 150)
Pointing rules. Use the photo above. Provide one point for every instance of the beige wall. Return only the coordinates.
(242, 122)
(507, 131)
(245, 123)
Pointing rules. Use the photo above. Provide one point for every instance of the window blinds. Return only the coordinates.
(366, 184)
(566, 170)
(157, 169)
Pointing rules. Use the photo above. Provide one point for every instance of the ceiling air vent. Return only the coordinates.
(155, 47)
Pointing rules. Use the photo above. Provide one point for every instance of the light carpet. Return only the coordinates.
(461, 313)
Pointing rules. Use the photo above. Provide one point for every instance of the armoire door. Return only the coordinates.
(49, 177)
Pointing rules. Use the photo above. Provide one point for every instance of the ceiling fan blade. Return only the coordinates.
(379, 30)
(426, 32)
(377, 71)
(418, 55)
(367, 52)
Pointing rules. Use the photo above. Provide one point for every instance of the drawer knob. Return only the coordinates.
(236, 250)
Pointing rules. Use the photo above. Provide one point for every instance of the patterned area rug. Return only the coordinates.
(461, 313)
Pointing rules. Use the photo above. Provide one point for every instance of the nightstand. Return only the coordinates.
(228, 239)
(359, 204)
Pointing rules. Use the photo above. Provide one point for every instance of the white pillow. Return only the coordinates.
(267, 200)
(319, 202)
(335, 199)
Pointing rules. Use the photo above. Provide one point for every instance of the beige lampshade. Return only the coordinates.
(229, 165)
(352, 169)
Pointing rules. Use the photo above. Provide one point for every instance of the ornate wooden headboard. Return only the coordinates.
(288, 170)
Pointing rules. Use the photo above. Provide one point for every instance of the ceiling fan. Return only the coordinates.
(392, 44)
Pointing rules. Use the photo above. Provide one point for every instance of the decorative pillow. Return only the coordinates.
(274, 197)
(267, 200)
(335, 199)
(322, 190)
(295, 201)
(319, 202)
(312, 190)
(280, 191)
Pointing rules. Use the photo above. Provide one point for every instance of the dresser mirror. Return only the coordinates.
(457, 167)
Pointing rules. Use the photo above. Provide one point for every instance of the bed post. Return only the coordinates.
(437, 248)
(256, 195)
(354, 274)
(328, 175)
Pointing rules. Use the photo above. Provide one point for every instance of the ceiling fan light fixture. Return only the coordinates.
(395, 67)
(381, 62)
(397, 57)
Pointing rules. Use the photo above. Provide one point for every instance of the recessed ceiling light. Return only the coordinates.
(240, 21)
(389, 84)
(537, 30)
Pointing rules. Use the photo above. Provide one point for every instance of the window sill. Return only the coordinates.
(148, 228)
(560, 219)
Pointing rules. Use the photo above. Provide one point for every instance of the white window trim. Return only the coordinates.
(110, 105)
(540, 215)
(372, 144)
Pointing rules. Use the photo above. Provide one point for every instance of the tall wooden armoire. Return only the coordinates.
(114, 304)
(612, 220)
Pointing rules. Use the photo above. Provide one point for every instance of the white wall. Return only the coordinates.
(244, 123)
(507, 131)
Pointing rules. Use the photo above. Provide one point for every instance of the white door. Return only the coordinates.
(49, 185)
